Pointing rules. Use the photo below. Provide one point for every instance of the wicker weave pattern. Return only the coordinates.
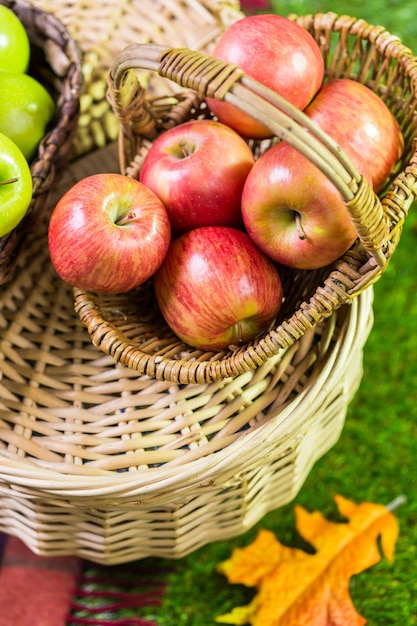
(99, 461)
(56, 62)
(98, 418)
(104, 29)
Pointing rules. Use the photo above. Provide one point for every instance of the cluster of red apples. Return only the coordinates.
(210, 224)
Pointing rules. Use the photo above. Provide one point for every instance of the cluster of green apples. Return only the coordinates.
(26, 110)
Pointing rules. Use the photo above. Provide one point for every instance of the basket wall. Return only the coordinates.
(129, 326)
(104, 29)
(104, 463)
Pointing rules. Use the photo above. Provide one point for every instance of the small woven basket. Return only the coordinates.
(56, 63)
(129, 326)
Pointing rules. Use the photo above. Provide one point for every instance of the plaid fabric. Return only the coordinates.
(66, 591)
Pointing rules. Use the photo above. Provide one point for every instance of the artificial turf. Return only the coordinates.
(375, 458)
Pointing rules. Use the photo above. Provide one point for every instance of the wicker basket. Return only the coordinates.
(56, 63)
(98, 462)
(128, 326)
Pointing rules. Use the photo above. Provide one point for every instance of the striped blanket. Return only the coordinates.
(67, 591)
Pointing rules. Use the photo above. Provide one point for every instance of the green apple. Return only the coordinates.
(15, 185)
(26, 109)
(14, 42)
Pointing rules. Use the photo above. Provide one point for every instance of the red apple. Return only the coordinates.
(276, 52)
(216, 288)
(353, 115)
(198, 170)
(109, 233)
(293, 212)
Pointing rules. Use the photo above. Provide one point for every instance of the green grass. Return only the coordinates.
(397, 16)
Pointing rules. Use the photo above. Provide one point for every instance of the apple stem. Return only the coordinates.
(9, 182)
(301, 232)
(186, 148)
(239, 332)
(127, 218)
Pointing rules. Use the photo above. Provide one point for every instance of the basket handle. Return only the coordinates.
(213, 78)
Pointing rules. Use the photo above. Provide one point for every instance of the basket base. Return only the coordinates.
(125, 532)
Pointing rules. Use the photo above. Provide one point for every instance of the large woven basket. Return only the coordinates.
(56, 63)
(129, 326)
(101, 461)
(98, 462)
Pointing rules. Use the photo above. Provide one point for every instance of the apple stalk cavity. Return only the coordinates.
(108, 233)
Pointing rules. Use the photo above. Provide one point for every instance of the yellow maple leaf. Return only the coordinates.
(296, 588)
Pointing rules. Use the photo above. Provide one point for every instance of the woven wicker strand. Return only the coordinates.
(104, 29)
(56, 62)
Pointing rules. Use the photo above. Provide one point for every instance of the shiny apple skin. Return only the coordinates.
(217, 289)
(16, 185)
(283, 187)
(357, 118)
(108, 233)
(278, 53)
(198, 170)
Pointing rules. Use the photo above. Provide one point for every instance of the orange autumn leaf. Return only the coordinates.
(296, 588)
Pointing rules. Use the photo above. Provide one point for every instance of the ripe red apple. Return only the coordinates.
(293, 212)
(276, 52)
(353, 115)
(216, 288)
(108, 233)
(198, 170)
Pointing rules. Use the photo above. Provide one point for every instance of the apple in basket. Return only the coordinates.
(293, 212)
(108, 233)
(198, 170)
(215, 288)
(353, 115)
(15, 185)
(278, 53)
